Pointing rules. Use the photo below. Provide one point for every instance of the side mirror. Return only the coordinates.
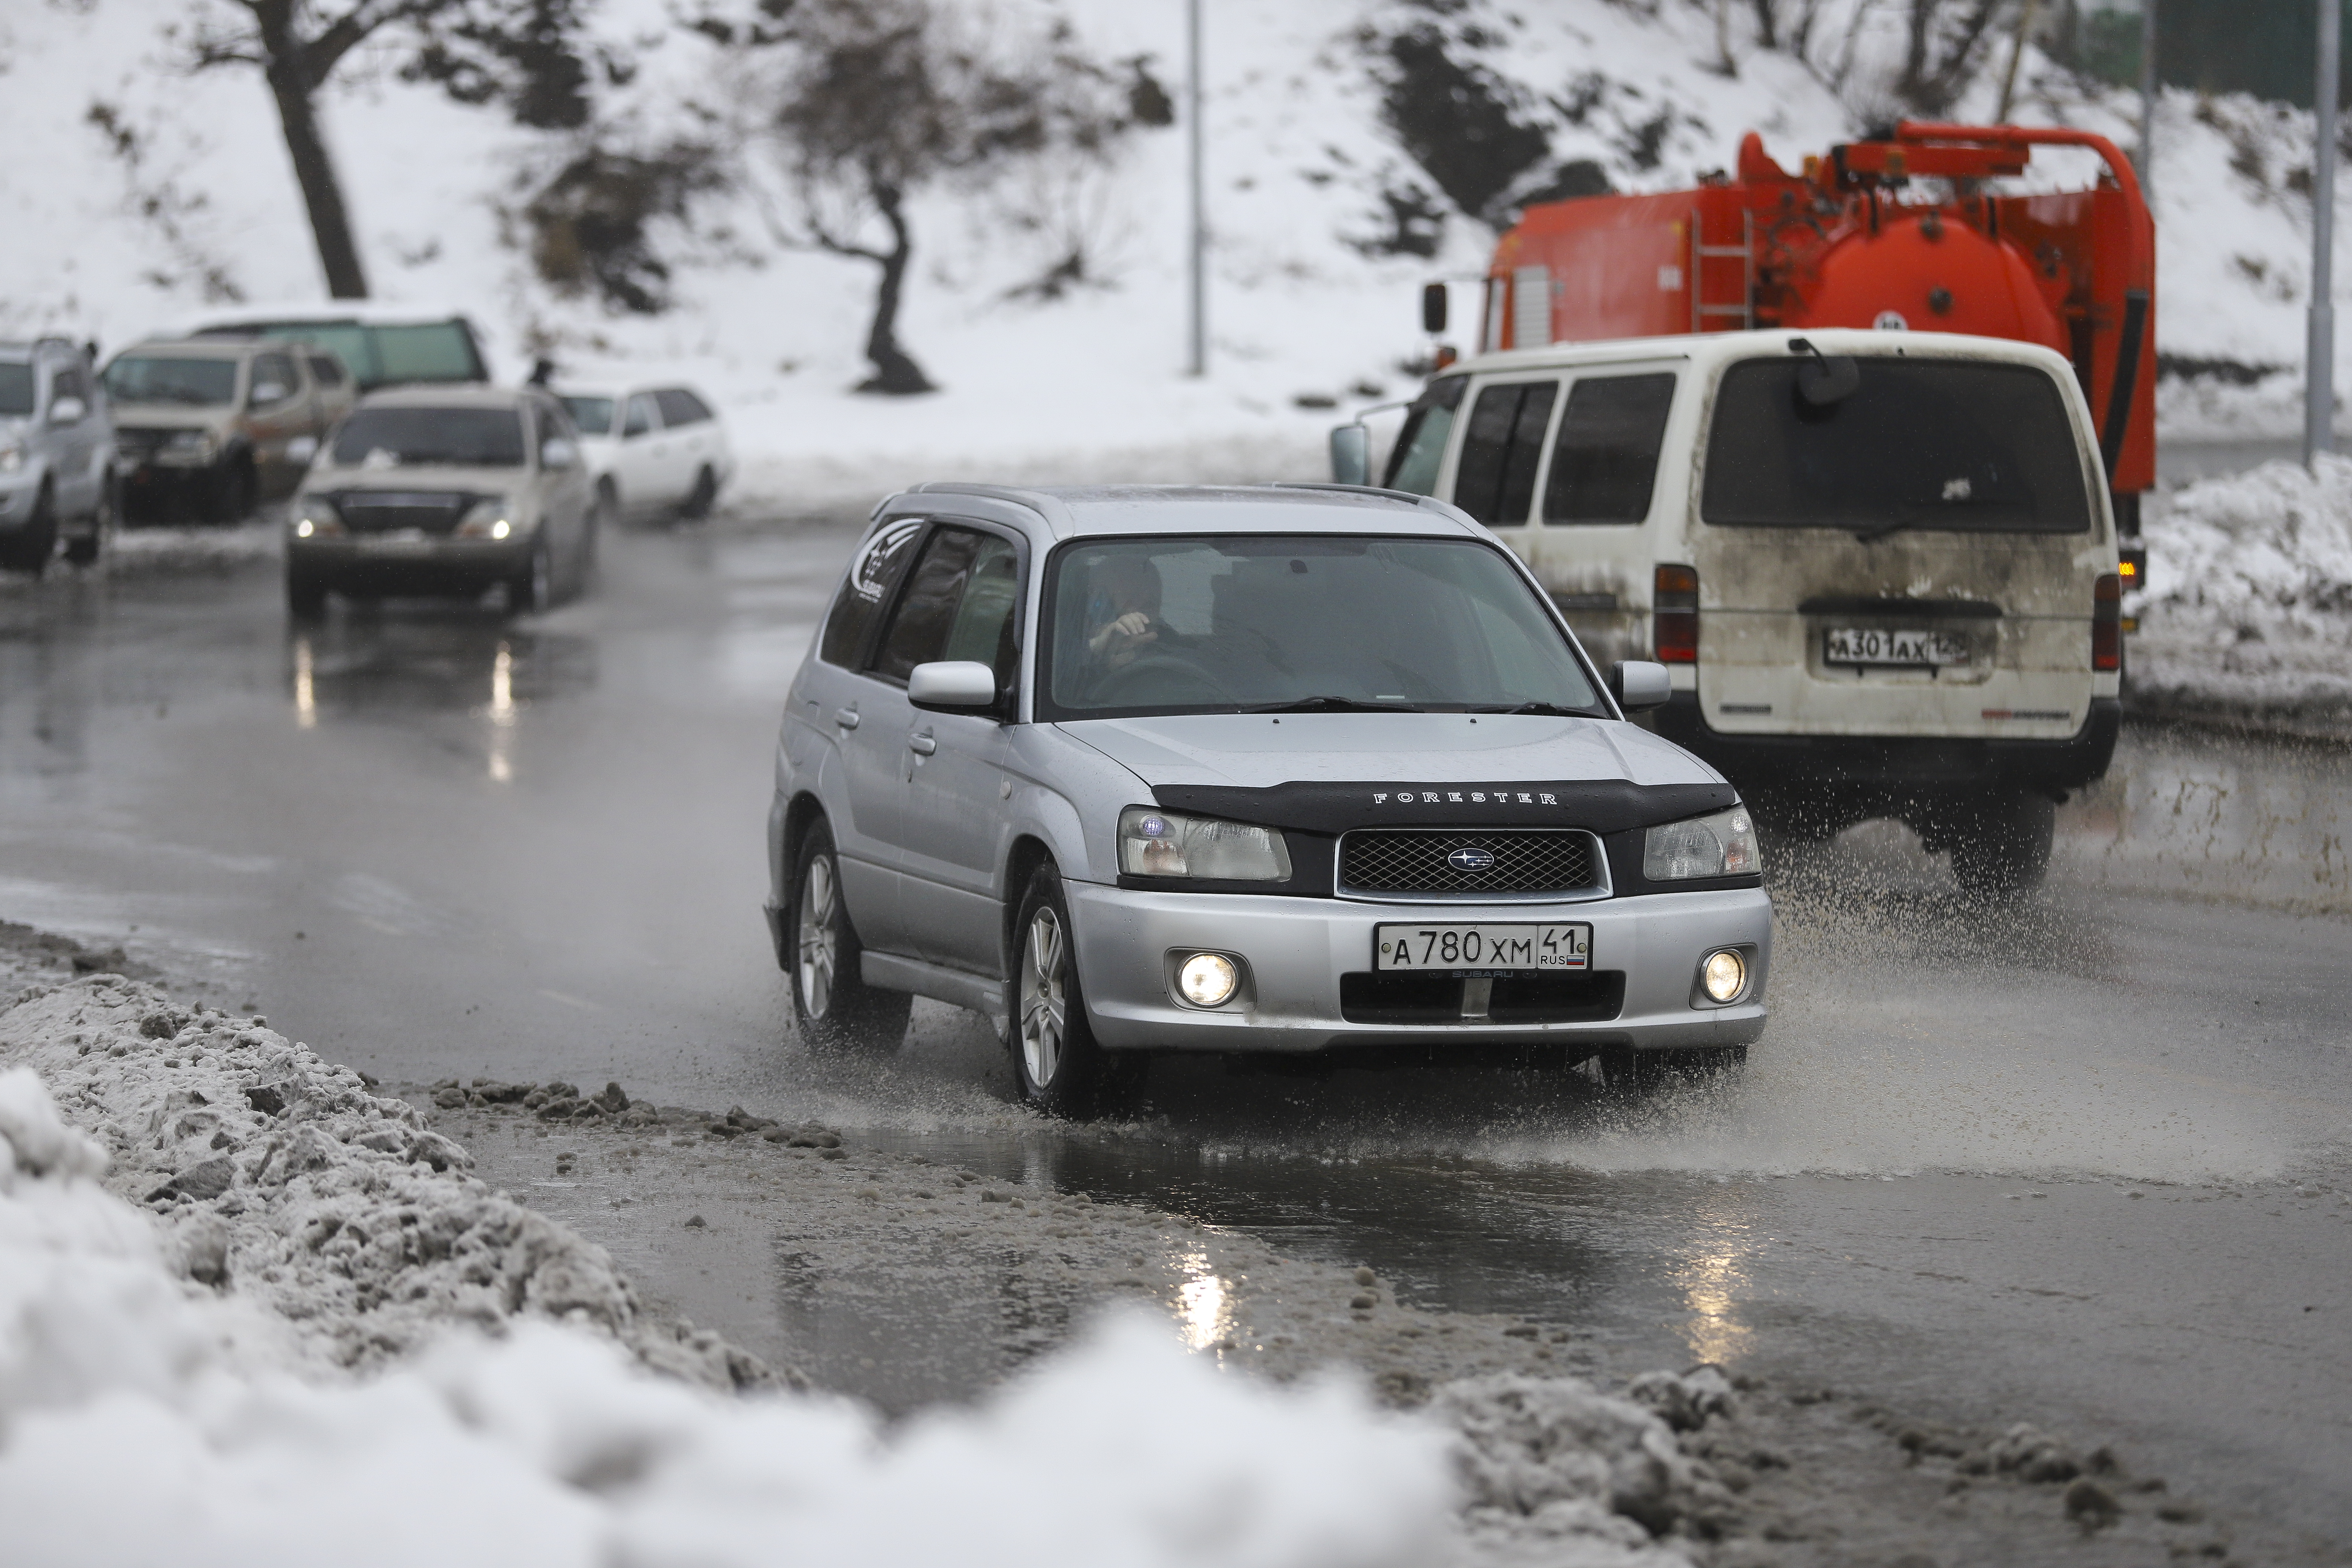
(1433, 307)
(1826, 380)
(301, 449)
(266, 393)
(1639, 685)
(951, 685)
(559, 453)
(68, 411)
(1351, 454)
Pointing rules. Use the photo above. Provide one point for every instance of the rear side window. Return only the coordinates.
(640, 416)
(872, 574)
(274, 370)
(1495, 482)
(326, 370)
(1604, 461)
(680, 406)
(1950, 445)
(1421, 445)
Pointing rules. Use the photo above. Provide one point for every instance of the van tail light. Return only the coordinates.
(2108, 623)
(1674, 614)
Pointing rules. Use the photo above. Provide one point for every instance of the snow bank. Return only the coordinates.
(2249, 607)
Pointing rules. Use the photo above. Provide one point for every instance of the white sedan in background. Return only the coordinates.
(651, 451)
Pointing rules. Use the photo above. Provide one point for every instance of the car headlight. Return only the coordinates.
(1723, 845)
(492, 517)
(315, 515)
(1155, 843)
(12, 458)
(189, 447)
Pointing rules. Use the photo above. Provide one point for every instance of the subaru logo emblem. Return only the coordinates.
(1469, 857)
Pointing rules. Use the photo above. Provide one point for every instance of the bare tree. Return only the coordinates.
(1941, 39)
(881, 98)
(477, 50)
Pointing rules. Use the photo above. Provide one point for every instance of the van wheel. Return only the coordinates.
(1059, 1066)
(2001, 844)
(833, 1007)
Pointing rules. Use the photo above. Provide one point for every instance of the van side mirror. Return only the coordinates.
(951, 685)
(1639, 685)
(68, 410)
(1433, 307)
(1351, 454)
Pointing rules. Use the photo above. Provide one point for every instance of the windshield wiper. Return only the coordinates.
(1553, 708)
(1334, 705)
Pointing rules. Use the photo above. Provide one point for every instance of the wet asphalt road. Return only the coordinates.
(2085, 1161)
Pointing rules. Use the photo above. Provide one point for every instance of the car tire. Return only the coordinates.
(306, 596)
(701, 498)
(229, 497)
(2000, 844)
(30, 549)
(833, 1007)
(1057, 1065)
(530, 591)
(82, 550)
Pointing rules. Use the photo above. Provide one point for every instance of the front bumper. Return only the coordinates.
(429, 565)
(1298, 949)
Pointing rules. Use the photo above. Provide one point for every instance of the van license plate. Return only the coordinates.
(1881, 645)
(1483, 947)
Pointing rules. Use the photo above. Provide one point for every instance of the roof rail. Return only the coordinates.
(1429, 503)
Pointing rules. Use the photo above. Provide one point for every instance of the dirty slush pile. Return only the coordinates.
(283, 1180)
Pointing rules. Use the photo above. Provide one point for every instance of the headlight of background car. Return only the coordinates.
(12, 458)
(1154, 843)
(188, 447)
(492, 517)
(1723, 845)
(316, 515)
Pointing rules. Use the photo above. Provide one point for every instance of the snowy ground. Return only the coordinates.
(2248, 614)
(248, 1308)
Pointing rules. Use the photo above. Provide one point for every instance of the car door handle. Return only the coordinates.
(921, 745)
(847, 718)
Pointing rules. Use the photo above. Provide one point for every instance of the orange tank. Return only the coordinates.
(1910, 231)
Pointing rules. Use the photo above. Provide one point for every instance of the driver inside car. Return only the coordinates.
(1122, 611)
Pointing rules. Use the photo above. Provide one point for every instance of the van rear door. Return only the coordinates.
(1914, 550)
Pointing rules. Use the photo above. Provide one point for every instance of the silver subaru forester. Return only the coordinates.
(1308, 773)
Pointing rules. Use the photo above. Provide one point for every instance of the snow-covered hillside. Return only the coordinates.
(147, 192)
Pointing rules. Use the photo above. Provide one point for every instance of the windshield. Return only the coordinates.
(593, 415)
(16, 387)
(165, 378)
(1238, 623)
(461, 437)
(1934, 444)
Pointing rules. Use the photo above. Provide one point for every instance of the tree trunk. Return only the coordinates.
(314, 170)
(895, 371)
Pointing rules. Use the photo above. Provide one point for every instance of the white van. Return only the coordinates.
(1881, 566)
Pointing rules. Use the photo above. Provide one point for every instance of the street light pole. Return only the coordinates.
(2147, 86)
(2319, 357)
(1198, 362)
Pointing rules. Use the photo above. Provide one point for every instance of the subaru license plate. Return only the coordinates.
(1885, 645)
(1483, 947)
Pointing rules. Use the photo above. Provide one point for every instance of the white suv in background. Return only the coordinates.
(56, 455)
(653, 451)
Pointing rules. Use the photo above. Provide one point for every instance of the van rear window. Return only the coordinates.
(1947, 445)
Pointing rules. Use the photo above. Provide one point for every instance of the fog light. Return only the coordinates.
(500, 529)
(1208, 979)
(302, 529)
(1724, 975)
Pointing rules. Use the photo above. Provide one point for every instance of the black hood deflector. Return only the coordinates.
(1598, 805)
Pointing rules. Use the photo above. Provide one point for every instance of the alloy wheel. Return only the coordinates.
(1045, 959)
(818, 938)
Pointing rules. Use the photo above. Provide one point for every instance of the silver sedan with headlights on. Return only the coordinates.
(1308, 773)
(447, 492)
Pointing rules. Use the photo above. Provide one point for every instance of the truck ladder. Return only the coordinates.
(1701, 253)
